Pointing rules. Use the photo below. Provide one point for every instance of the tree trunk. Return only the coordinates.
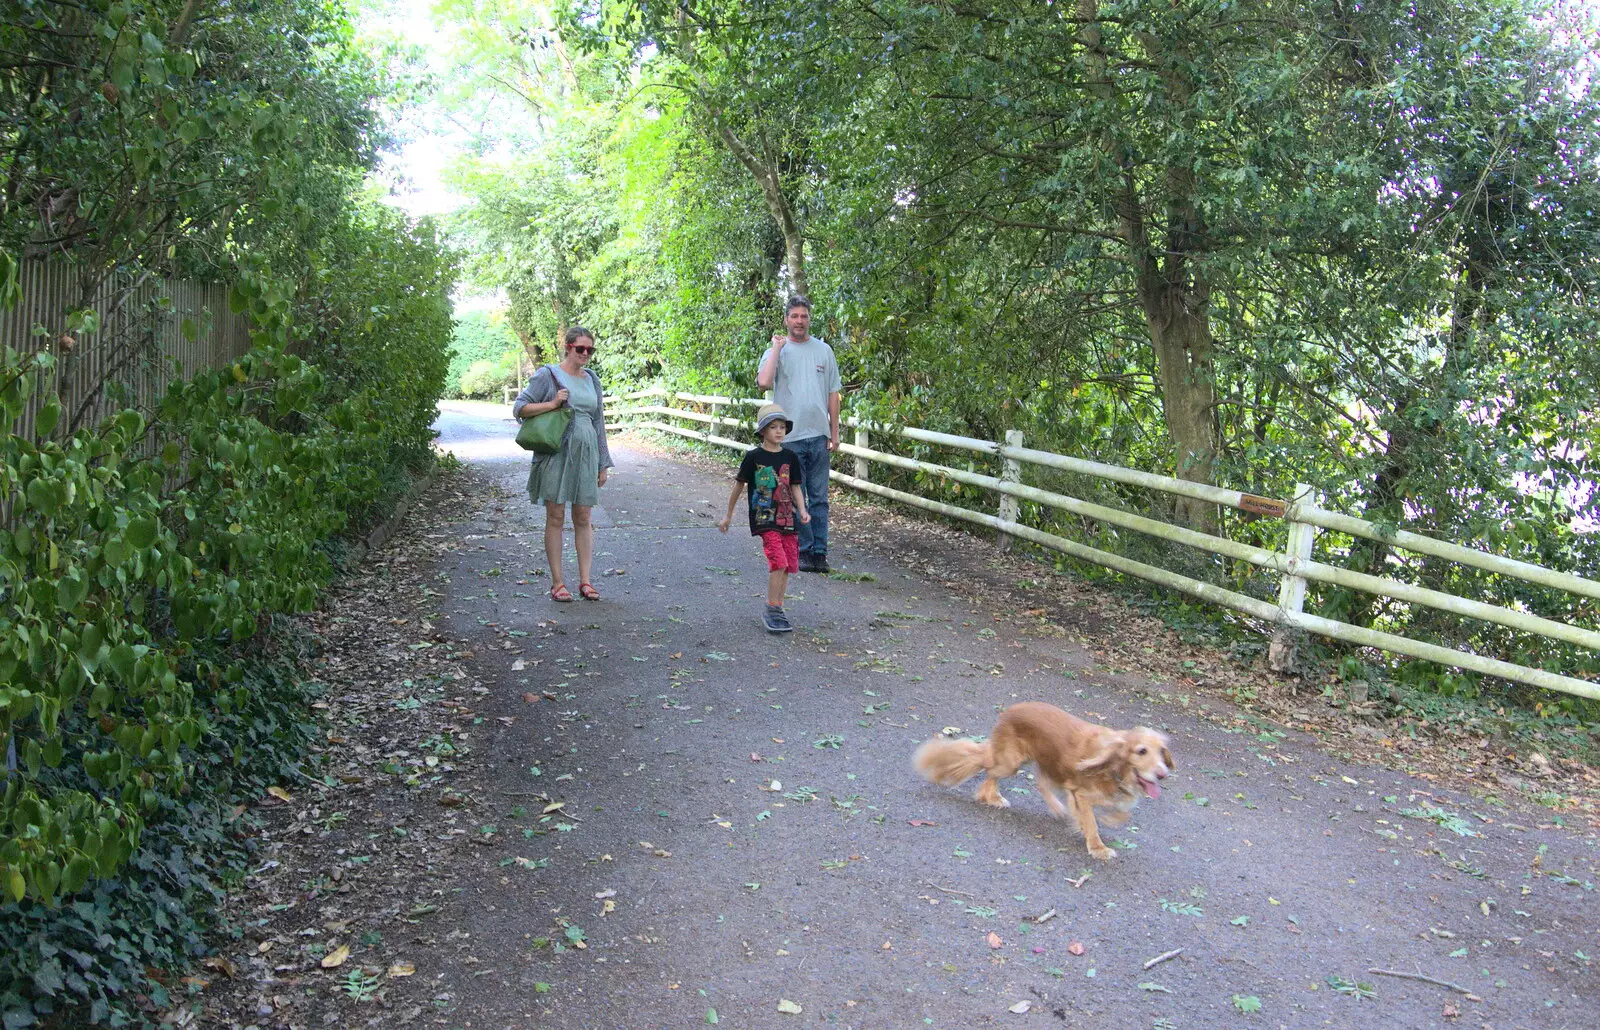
(766, 175)
(1172, 290)
(1180, 333)
(1414, 430)
(765, 170)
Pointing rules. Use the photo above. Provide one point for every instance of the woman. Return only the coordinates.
(574, 474)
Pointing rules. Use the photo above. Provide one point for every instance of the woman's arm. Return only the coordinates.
(600, 421)
(538, 397)
(533, 408)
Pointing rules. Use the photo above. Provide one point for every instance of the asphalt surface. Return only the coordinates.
(740, 832)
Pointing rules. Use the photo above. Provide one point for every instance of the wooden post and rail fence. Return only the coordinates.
(1295, 564)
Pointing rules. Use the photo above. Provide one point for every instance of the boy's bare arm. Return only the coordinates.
(733, 499)
(799, 494)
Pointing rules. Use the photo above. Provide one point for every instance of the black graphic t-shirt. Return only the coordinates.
(769, 475)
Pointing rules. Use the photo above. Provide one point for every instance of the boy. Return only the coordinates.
(771, 473)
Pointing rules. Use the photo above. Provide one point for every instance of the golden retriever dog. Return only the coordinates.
(1096, 766)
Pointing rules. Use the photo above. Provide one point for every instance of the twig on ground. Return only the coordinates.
(1174, 953)
(1046, 917)
(1080, 881)
(1424, 979)
(948, 890)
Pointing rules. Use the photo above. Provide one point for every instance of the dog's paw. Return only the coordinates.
(998, 801)
(1103, 853)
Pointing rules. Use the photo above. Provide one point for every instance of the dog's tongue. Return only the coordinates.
(1151, 788)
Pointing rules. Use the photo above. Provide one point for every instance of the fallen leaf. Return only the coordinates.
(223, 965)
(1076, 947)
(662, 853)
(788, 1007)
(518, 665)
(994, 939)
(607, 893)
(531, 698)
(336, 958)
(1020, 1007)
(1451, 1012)
(279, 793)
(554, 806)
(922, 822)
(402, 969)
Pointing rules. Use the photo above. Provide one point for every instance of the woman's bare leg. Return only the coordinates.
(583, 538)
(554, 518)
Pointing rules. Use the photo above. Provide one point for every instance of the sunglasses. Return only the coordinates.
(582, 350)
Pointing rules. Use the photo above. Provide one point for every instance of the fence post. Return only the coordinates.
(1010, 472)
(863, 465)
(715, 425)
(1292, 591)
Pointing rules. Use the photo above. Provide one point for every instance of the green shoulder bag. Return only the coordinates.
(542, 434)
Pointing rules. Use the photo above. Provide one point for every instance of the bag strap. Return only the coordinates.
(555, 381)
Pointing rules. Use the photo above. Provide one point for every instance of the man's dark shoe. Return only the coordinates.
(807, 562)
(819, 563)
(776, 620)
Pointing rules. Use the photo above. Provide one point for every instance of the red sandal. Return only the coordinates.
(588, 591)
(559, 592)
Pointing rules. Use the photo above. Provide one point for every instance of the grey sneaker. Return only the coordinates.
(776, 620)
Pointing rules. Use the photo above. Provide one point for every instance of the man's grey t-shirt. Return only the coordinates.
(806, 374)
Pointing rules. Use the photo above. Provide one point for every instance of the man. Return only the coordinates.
(803, 376)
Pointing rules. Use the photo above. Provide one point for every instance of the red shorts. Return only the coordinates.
(783, 551)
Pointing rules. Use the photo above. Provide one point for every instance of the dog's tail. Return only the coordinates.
(948, 762)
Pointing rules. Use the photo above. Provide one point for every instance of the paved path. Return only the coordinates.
(740, 826)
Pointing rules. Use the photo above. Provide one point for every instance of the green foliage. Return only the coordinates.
(484, 345)
(139, 555)
(1155, 234)
(96, 955)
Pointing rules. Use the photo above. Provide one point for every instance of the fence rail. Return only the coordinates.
(142, 327)
(1294, 565)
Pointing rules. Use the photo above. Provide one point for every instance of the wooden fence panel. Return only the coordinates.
(151, 332)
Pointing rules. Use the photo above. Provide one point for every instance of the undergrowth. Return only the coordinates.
(99, 959)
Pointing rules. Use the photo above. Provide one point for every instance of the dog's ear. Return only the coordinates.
(1109, 753)
(1166, 756)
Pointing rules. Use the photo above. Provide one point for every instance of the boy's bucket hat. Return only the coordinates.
(769, 414)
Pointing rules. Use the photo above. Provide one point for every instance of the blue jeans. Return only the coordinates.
(813, 455)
